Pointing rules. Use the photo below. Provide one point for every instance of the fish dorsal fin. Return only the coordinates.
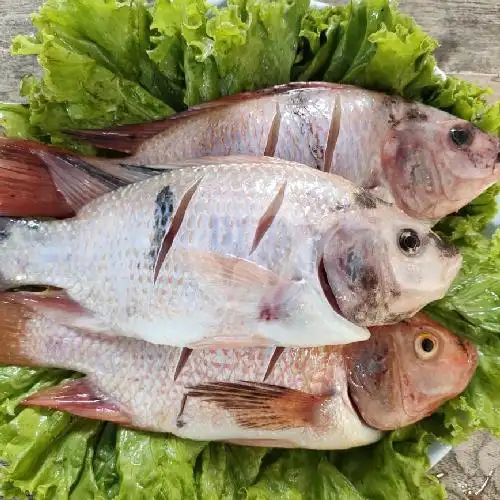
(80, 398)
(262, 406)
(128, 138)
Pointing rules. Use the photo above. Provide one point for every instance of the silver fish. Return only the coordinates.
(321, 398)
(240, 251)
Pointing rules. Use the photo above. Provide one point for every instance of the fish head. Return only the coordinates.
(436, 163)
(404, 372)
(383, 266)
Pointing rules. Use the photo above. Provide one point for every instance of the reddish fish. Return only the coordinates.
(428, 162)
(321, 398)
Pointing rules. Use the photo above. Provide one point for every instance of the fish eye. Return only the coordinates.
(461, 136)
(409, 242)
(426, 345)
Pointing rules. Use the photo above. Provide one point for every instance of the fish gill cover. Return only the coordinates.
(107, 62)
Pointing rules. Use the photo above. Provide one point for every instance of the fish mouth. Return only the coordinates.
(327, 290)
(356, 409)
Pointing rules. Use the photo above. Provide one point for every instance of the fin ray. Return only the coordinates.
(261, 406)
(80, 398)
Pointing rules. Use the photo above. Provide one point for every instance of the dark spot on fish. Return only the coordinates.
(3, 463)
(5, 225)
(164, 208)
(365, 200)
(416, 114)
(369, 279)
(446, 249)
(353, 266)
(318, 153)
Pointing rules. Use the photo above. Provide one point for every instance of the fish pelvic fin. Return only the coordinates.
(80, 398)
(15, 338)
(262, 406)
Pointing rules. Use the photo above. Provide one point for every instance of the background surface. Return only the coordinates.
(469, 33)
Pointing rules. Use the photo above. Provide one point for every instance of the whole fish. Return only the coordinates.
(430, 163)
(321, 398)
(232, 251)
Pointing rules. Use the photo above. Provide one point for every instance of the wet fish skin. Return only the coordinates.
(192, 393)
(234, 253)
(427, 161)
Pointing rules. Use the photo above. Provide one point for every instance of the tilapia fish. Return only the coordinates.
(321, 398)
(428, 162)
(234, 252)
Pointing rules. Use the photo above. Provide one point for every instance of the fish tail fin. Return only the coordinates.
(26, 186)
(16, 321)
(39, 180)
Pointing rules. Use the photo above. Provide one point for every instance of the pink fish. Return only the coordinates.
(321, 398)
(428, 162)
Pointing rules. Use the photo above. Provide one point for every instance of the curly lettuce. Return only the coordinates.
(108, 62)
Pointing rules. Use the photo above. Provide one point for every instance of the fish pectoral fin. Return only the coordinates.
(227, 270)
(261, 406)
(244, 284)
(80, 398)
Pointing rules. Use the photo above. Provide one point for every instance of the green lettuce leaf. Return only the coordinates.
(108, 62)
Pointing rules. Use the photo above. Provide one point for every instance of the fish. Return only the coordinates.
(426, 161)
(328, 397)
(234, 251)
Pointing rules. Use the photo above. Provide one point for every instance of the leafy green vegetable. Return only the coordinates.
(107, 62)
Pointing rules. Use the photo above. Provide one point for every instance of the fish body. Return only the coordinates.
(244, 251)
(428, 162)
(331, 397)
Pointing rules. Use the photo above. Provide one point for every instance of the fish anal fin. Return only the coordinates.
(261, 406)
(80, 398)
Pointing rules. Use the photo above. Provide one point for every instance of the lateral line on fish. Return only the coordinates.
(278, 351)
(184, 356)
(333, 134)
(274, 133)
(174, 228)
(267, 219)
